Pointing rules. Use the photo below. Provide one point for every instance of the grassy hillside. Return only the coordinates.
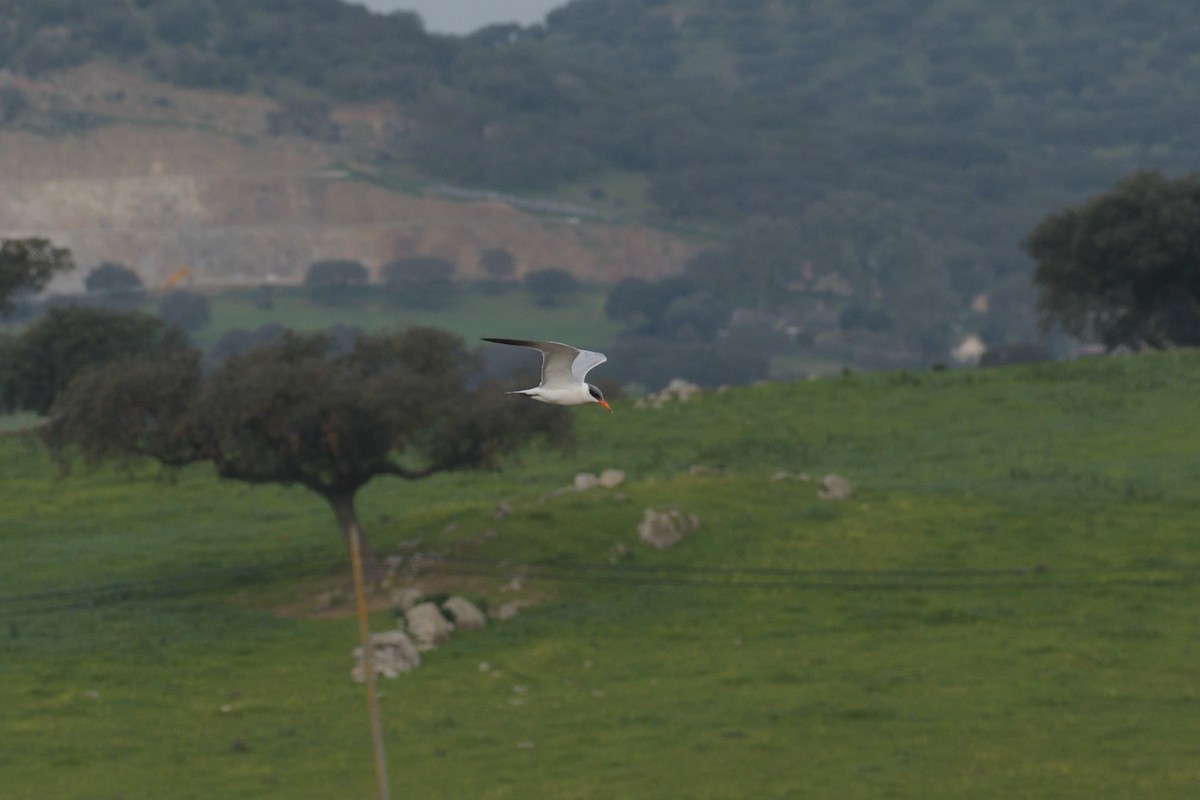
(1004, 608)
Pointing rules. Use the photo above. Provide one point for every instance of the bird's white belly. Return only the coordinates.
(570, 396)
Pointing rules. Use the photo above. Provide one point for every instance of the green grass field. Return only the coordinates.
(1005, 608)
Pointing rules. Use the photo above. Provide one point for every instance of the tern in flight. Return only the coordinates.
(563, 371)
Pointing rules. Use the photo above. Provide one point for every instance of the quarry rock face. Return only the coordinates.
(207, 185)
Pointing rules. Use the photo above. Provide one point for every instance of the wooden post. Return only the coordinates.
(368, 664)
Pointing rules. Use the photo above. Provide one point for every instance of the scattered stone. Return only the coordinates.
(392, 652)
(663, 529)
(405, 598)
(585, 481)
(784, 475)
(526, 745)
(835, 487)
(503, 510)
(466, 616)
(427, 625)
(391, 570)
(616, 554)
(508, 610)
(611, 478)
(678, 390)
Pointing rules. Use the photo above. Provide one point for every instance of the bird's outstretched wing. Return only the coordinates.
(562, 364)
(585, 361)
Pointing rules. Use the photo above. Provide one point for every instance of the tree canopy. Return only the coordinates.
(305, 411)
(1125, 265)
(189, 310)
(110, 277)
(29, 264)
(901, 149)
(68, 341)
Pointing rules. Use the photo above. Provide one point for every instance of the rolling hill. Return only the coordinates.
(887, 158)
(1003, 606)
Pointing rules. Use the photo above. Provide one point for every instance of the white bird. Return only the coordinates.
(563, 371)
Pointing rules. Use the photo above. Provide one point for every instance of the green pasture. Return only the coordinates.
(1006, 607)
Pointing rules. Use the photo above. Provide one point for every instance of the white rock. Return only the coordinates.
(611, 478)
(677, 390)
(467, 617)
(681, 390)
(405, 598)
(585, 481)
(427, 625)
(663, 529)
(391, 653)
(835, 487)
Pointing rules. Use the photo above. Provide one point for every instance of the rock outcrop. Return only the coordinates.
(663, 529)
(392, 652)
(428, 625)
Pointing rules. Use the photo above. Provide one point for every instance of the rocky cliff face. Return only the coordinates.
(122, 169)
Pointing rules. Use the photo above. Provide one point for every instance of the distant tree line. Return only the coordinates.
(327, 414)
(428, 282)
(895, 149)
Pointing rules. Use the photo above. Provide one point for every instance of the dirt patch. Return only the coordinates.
(157, 177)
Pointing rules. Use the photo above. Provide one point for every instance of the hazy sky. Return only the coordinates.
(465, 16)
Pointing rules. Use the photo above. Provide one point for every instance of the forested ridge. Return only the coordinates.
(885, 157)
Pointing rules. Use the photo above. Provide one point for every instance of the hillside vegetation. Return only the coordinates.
(1004, 607)
(905, 148)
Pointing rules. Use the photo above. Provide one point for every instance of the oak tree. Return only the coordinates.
(1125, 265)
(29, 264)
(69, 340)
(303, 411)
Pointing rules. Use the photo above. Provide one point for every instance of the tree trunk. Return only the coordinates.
(347, 518)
